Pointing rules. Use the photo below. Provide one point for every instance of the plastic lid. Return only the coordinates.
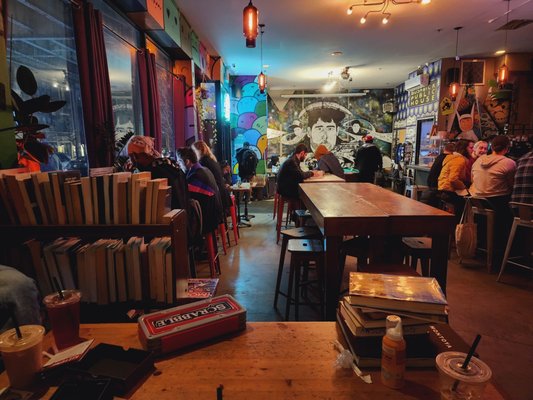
(70, 296)
(394, 327)
(31, 334)
(450, 363)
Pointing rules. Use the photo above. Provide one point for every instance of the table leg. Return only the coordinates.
(332, 275)
(439, 259)
(240, 219)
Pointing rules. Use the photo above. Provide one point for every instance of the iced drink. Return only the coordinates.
(457, 383)
(22, 357)
(64, 317)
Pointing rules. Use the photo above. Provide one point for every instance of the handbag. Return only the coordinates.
(466, 233)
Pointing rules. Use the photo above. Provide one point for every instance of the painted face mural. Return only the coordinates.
(324, 133)
(498, 110)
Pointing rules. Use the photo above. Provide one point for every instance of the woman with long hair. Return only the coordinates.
(208, 160)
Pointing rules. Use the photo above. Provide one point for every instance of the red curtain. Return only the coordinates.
(149, 96)
(95, 87)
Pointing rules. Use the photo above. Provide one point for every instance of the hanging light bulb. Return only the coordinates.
(503, 71)
(385, 20)
(454, 87)
(261, 78)
(250, 20)
(349, 11)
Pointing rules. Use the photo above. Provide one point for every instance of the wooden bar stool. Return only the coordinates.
(295, 233)
(302, 216)
(481, 206)
(234, 222)
(525, 220)
(291, 206)
(417, 248)
(304, 251)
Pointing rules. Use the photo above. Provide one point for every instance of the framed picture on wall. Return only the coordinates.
(472, 72)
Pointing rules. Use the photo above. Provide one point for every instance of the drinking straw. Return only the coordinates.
(219, 392)
(15, 320)
(58, 288)
(468, 357)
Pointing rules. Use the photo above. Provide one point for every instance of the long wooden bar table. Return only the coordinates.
(324, 178)
(269, 360)
(366, 209)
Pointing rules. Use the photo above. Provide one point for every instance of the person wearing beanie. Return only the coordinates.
(327, 161)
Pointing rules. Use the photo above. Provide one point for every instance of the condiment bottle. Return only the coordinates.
(393, 354)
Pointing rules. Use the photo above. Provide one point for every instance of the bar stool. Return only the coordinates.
(481, 206)
(302, 252)
(276, 199)
(221, 230)
(417, 248)
(292, 205)
(288, 234)
(413, 190)
(524, 219)
(302, 216)
(212, 254)
(234, 223)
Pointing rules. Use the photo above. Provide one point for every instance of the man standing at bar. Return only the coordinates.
(368, 160)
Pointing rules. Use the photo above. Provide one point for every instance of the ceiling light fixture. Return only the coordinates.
(261, 78)
(250, 21)
(383, 10)
(454, 86)
(503, 71)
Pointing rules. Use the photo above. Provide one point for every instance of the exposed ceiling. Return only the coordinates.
(301, 35)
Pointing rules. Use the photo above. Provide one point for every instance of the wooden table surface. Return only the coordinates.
(324, 178)
(367, 209)
(269, 360)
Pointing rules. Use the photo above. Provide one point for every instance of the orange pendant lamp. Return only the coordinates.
(261, 78)
(503, 74)
(250, 21)
(503, 71)
(454, 87)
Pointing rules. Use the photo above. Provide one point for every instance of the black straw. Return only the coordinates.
(15, 320)
(468, 357)
(57, 286)
(219, 392)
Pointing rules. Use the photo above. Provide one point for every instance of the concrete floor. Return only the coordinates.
(500, 312)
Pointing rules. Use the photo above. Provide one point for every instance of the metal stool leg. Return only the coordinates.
(508, 248)
(284, 242)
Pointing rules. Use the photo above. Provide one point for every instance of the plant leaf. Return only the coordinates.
(54, 106)
(17, 100)
(35, 104)
(26, 80)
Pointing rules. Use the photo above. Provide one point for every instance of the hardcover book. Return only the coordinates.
(395, 292)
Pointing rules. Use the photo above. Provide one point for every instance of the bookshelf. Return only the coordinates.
(15, 235)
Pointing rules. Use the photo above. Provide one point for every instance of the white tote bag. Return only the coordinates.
(466, 233)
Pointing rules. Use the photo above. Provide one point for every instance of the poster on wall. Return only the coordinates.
(340, 123)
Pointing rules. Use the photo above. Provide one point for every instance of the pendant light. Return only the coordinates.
(261, 78)
(503, 71)
(454, 86)
(250, 20)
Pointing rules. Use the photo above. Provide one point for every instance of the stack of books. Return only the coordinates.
(418, 300)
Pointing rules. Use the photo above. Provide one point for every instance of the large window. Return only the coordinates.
(166, 102)
(42, 39)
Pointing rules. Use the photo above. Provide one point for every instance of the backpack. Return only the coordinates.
(248, 164)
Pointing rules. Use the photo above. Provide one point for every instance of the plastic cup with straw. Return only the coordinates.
(462, 375)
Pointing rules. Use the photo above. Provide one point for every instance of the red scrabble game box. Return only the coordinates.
(175, 328)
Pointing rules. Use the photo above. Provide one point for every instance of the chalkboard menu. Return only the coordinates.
(424, 95)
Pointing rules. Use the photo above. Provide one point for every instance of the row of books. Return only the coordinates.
(418, 300)
(107, 270)
(64, 197)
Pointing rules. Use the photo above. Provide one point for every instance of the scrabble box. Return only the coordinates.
(176, 328)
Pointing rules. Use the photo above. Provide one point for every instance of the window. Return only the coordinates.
(121, 41)
(43, 40)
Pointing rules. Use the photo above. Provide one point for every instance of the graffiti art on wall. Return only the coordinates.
(248, 118)
(338, 123)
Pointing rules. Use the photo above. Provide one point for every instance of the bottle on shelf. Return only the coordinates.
(393, 354)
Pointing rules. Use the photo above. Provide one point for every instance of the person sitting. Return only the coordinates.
(202, 187)
(290, 175)
(453, 179)
(493, 178)
(327, 161)
(18, 294)
(226, 173)
(523, 180)
(208, 160)
(430, 195)
(368, 160)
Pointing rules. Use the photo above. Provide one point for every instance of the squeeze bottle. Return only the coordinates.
(393, 354)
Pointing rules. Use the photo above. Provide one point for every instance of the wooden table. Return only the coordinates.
(270, 360)
(324, 178)
(367, 209)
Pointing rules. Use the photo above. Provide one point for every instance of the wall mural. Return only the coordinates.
(340, 123)
(248, 121)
